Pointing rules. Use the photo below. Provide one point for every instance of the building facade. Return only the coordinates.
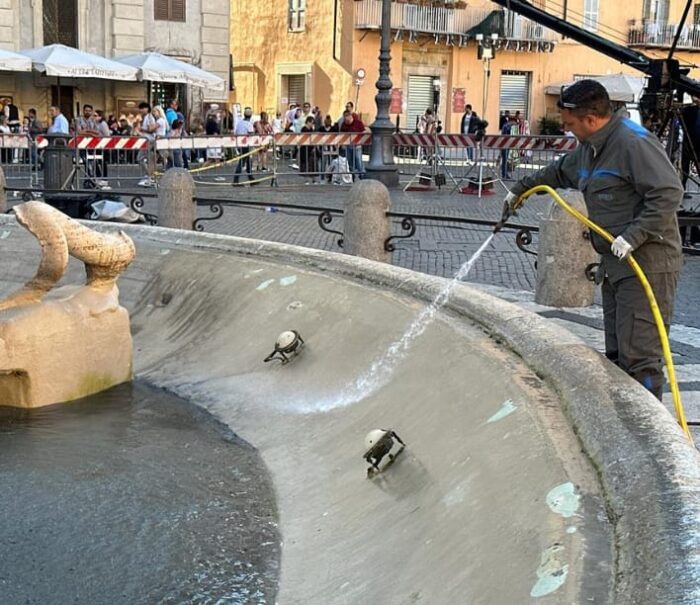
(195, 31)
(326, 52)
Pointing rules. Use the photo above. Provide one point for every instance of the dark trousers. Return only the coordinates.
(631, 338)
(246, 161)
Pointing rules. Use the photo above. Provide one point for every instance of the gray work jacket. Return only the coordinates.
(630, 188)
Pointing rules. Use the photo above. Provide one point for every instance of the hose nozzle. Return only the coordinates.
(509, 205)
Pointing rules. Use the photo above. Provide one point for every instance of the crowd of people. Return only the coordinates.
(315, 162)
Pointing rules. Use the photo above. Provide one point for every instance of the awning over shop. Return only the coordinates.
(492, 24)
(155, 67)
(67, 62)
(10, 61)
(620, 87)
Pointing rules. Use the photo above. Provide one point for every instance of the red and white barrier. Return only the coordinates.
(14, 141)
(83, 142)
(526, 142)
(324, 138)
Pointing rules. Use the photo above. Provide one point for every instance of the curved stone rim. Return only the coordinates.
(649, 475)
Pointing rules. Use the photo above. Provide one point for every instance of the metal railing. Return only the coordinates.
(661, 35)
(438, 20)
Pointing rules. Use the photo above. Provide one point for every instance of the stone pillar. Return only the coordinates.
(366, 225)
(176, 207)
(563, 255)
(3, 193)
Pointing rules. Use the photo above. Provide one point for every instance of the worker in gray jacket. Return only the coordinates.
(632, 191)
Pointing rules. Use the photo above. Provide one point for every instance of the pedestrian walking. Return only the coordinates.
(631, 190)
(244, 128)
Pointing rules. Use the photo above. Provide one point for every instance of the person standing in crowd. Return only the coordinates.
(262, 128)
(161, 132)
(12, 120)
(85, 126)
(468, 126)
(102, 130)
(307, 154)
(632, 190)
(146, 156)
(244, 128)
(353, 153)
(34, 129)
(328, 152)
(175, 157)
(289, 117)
(171, 112)
(503, 119)
(59, 124)
(277, 126)
(505, 166)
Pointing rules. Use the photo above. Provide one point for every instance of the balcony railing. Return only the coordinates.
(456, 24)
(657, 35)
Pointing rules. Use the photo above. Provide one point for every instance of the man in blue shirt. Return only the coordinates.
(59, 124)
(172, 114)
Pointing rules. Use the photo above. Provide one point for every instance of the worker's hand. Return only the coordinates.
(621, 248)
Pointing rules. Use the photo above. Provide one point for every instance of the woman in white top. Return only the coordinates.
(161, 130)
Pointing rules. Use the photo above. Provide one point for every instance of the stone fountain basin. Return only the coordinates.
(504, 415)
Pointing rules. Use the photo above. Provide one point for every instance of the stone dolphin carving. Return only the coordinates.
(105, 255)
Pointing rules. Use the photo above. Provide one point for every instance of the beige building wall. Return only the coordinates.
(113, 28)
(264, 50)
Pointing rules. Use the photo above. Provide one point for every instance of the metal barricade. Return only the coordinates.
(469, 164)
(320, 157)
(220, 159)
(18, 160)
(113, 162)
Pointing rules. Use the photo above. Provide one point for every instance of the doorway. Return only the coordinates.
(64, 100)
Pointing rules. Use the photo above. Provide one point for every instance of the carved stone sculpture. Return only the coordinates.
(69, 342)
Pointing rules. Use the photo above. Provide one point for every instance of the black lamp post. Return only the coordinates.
(381, 165)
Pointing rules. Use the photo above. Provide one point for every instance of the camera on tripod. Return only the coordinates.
(480, 132)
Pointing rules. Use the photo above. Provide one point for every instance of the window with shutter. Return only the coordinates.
(590, 15)
(297, 15)
(515, 92)
(170, 10)
(61, 22)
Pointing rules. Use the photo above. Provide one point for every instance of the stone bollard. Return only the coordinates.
(564, 253)
(176, 207)
(366, 225)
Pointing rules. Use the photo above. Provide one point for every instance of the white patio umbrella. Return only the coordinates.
(67, 62)
(155, 67)
(10, 61)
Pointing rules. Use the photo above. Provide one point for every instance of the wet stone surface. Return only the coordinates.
(133, 496)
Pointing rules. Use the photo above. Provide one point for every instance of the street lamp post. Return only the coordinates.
(381, 165)
(486, 52)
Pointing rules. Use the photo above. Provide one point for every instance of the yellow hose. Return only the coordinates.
(678, 405)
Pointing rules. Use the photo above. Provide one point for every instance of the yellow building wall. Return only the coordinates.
(263, 50)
